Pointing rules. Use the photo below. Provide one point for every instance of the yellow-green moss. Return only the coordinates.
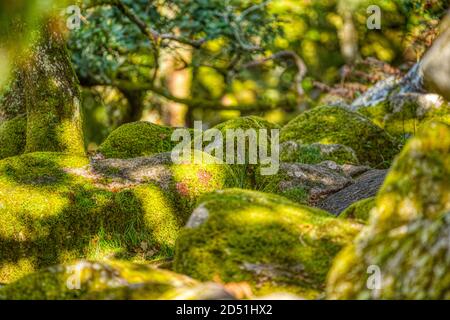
(244, 172)
(407, 234)
(97, 280)
(244, 123)
(137, 139)
(53, 99)
(407, 121)
(359, 210)
(12, 137)
(337, 125)
(53, 211)
(266, 240)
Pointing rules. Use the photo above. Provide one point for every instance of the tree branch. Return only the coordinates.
(150, 33)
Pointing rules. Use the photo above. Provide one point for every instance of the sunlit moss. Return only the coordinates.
(245, 172)
(137, 139)
(336, 125)
(273, 244)
(52, 211)
(407, 234)
(405, 122)
(97, 280)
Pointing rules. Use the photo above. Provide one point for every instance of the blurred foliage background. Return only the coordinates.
(176, 61)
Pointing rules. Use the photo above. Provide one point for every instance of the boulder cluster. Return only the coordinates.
(356, 189)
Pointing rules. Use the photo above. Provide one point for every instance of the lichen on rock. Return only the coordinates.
(305, 183)
(291, 151)
(263, 239)
(337, 125)
(407, 234)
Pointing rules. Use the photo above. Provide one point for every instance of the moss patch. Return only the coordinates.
(407, 120)
(53, 99)
(407, 235)
(53, 209)
(137, 139)
(244, 172)
(359, 210)
(97, 280)
(13, 137)
(273, 244)
(336, 125)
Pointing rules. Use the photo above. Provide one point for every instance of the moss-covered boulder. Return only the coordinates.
(359, 210)
(111, 280)
(403, 116)
(137, 139)
(245, 171)
(408, 231)
(291, 151)
(184, 181)
(337, 125)
(56, 208)
(13, 137)
(266, 240)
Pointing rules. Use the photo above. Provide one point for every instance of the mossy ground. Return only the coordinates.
(263, 239)
(13, 137)
(337, 125)
(407, 234)
(49, 214)
(137, 139)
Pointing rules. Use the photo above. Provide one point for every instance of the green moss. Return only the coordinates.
(336, 125)
(244, 172)
(53, 210)
(359, 210)
(137, 139)
(316, 153)
(97, 280)
(273, 244)
(407, 120)
(245, 123)
(54, 121)
(407, 234)
(12, 137)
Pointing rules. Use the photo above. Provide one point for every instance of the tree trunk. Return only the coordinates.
(135, 106)
(52, 95)
(348, 37)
